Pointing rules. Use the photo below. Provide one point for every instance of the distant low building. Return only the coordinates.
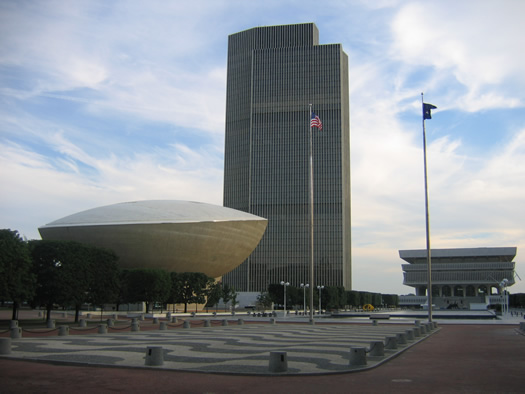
(462, 278)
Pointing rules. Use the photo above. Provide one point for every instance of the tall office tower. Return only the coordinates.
(274, 73)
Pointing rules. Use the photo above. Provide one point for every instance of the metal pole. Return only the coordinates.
(320, 290)
(304, 286)
(284, 284)
(429, 259)
(311, 222)
(285, 300)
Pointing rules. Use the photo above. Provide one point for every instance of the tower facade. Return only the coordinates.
(274, 73)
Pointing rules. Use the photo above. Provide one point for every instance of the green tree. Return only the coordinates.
(148, 286)
(233, 297)
(122, 296)
(366, 297)
(391, 300)
(276, 293)
(214, 294)
(227, 292)
(17, 282)
(49, 258)
(189, 288)
(333, 297)
(294, 296)
(264, 301)
(376, 299)
(353, 298)
(104, 287)
(71, 274)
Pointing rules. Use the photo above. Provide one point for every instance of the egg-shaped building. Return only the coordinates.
(177, 236)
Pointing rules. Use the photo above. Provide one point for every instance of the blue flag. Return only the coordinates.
(426, 110)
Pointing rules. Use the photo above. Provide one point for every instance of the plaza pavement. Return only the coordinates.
(467, 357)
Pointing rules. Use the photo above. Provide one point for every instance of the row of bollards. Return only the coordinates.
(358, 354)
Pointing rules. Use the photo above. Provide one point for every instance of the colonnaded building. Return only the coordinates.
(274, 74)
(464, 278)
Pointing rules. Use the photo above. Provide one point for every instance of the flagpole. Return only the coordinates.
(429, 260)
(311, 201)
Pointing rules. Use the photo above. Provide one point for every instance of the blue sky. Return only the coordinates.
(104, 102)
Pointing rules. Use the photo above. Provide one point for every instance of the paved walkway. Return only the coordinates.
(237, 349)
(466, 358)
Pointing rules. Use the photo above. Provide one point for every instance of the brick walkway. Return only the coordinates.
(471, 358)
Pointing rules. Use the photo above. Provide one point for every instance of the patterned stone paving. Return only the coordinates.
(239, 349)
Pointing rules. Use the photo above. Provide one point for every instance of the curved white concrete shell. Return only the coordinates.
(180, 236)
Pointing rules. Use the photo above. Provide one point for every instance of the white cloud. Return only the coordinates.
(144, 88)
(481, 45)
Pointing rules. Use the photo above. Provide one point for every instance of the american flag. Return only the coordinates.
(316, 122)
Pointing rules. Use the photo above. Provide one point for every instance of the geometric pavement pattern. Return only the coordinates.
(239, 349)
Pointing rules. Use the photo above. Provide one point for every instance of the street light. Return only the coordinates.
(505, 305)
(320, 289)
(304, 286)
(285, 284)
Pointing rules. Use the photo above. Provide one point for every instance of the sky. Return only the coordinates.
(104, 102)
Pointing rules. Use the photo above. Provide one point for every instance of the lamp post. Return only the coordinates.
(505, 305)
(304, 287)
(285, 284)
(320, 290)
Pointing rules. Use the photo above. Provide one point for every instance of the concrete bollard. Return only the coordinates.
(115, 316)
(155, 320)
(401, 338)
(186, 324)
(141, 317)
(82, 323)
(50, 324)
(429, 327)
(522, 326)
(102, 328)
(423, 329)
(174, 319)
(5, 345)
(417, 332)
(240, 322)
(278, 362)
(410, 334)
(135, 326)
(417, 323)
(357, 356)
(134, 320)
(109, 322)
(168, 315)
(154, 356)
(377, 349)
(272, 321)
(16, 332)
(225, 322)
(207, 323)
(391, 342)
(63, 331)
(163, 326)
(13, 324)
